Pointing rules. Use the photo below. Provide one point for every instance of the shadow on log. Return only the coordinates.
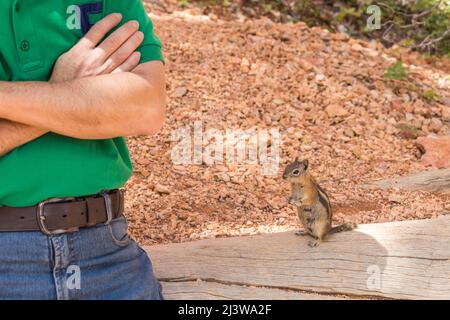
(398, 260)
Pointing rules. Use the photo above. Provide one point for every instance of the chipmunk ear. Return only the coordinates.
(296, 159)
(305, 164)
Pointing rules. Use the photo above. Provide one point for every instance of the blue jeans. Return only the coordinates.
(100, 262)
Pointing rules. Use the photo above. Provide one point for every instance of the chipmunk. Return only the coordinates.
(313, 204)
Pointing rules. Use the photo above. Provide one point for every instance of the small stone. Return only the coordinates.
(277, 102)
(373, 53)
(357, 152)
(335, 110)
(395, 198)
(341, 35)
(267, 119)
(162, 189)
(320, 77)
(145, 173)
(408, 107)
(409, 117)
(435, 125)
(447, 101)
(315, 145)
(357, 47)
(180, 92)
(357, 130)
(349, 132)
(223, 176)
(325, 34)
(446, 113)
(380, 125)
(245, 65)
(285, 37)
(305, 65)
(305, 148)
(193, 236)
(392, 121)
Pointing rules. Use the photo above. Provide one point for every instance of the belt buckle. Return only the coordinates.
(107, 198)
(41, 218)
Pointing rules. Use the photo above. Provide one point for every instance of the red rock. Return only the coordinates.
(437, 151)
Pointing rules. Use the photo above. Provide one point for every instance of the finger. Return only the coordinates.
(117, 39)
(99, 30)
(122, 54)
(131, 63)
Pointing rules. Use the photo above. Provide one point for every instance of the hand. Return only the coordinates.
(295, 202)
(89, 57)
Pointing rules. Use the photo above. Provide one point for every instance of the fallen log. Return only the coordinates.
(397, 260)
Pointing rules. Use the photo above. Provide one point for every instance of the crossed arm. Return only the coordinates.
(105, 93)
(99, 107)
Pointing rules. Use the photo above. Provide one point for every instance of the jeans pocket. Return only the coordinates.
(118, 232)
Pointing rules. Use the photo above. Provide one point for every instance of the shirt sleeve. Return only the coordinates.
(151, 48)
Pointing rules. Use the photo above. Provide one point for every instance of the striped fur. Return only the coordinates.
(324, 199)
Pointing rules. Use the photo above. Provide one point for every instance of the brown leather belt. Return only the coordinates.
(60, 215)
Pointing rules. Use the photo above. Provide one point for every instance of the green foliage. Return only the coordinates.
(418, 23)
(267, 7)
(414, 23)
(430, 95)
(347, 13)
(408, 131)
(183, 3)
(396, 71)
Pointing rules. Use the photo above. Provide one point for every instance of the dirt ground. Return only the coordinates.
(327, 96)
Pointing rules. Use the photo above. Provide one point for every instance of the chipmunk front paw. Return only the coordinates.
(313, 243)
(301, 233)
(295, 202)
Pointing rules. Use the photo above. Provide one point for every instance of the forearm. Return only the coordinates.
(13, 135)
(98, 107)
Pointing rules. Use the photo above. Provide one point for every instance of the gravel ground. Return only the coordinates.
(326, 95)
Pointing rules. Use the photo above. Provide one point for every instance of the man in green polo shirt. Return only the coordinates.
(76, 76)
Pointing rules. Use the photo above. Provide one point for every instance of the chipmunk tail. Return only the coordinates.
(348, 226)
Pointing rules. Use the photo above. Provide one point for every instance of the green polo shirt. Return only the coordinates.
(33, 34)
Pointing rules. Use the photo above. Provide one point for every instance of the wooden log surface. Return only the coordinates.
(432, 180)
(397, 260)
(206, 290)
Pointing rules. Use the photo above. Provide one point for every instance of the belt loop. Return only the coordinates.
(108, 207)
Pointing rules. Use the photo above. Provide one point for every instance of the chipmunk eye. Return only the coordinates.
(296, 172)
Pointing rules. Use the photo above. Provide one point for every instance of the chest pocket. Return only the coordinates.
(84, 15)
